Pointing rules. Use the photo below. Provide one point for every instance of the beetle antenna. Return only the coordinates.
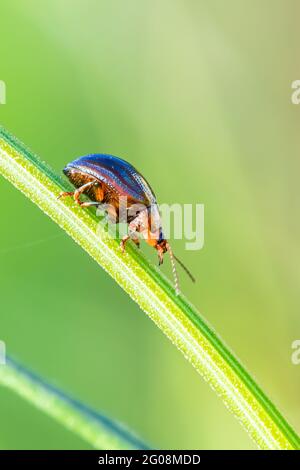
(172, 257)
(185, 268)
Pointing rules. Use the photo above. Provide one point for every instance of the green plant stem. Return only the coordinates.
(99, 431)
(179, 320)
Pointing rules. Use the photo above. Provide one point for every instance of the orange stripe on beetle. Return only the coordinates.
(106, 179)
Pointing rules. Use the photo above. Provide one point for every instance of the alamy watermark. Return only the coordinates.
(2, 92)
(295, 357)
(2, 353)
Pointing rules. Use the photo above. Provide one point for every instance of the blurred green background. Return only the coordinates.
(197, 95)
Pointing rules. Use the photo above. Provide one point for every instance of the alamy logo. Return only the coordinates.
(2, 92)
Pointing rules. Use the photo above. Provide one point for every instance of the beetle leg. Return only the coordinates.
(80, 191)
(76, 194)
(160, 256)
(88, 204)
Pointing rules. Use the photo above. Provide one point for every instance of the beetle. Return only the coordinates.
(105, 179)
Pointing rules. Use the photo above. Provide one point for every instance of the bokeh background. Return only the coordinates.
(197, 95)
